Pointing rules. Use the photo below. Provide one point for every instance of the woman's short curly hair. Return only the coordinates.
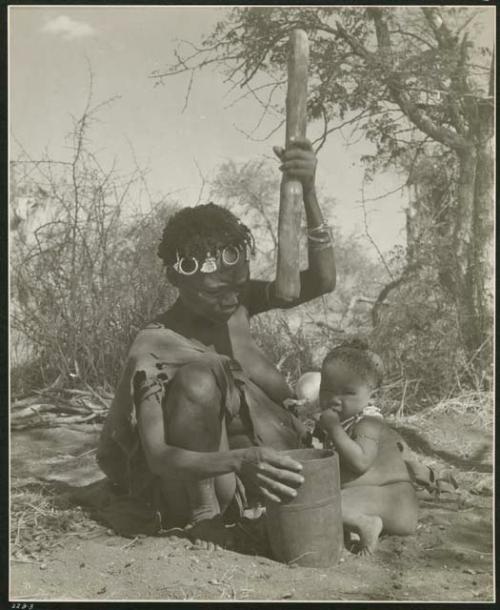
(358, 356)
(194, 231)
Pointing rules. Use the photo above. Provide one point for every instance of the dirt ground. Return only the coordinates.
(59, 553)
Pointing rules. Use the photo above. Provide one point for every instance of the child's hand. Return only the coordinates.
(329, 419)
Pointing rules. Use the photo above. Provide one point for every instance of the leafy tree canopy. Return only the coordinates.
(404, 76)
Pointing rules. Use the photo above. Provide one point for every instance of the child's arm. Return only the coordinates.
(357, 454)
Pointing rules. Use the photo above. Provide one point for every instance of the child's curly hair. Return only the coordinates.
(204, 228)
(357, 354)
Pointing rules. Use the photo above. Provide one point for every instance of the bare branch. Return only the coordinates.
(266, 105)
(327, 131)
(404, 33)
(190, 85)
(387, 194)
(203, 183)
(474, 15)
(263, 139)
(384, 293)
(253, 91)
(367, 232)
(159, 76)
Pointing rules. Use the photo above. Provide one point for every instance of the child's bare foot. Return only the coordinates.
(211, 534)
(369, 528)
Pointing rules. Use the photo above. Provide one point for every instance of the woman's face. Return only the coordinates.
(215, 296)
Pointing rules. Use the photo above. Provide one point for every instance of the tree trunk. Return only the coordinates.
(480, 261)
(472, 251)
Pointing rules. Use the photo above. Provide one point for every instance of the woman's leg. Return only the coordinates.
(194, 420)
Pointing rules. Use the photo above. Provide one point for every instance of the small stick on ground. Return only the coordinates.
(129, 544)
(399, 412)
(299, 557)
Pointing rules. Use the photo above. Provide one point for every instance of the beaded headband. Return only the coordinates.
(213, 261)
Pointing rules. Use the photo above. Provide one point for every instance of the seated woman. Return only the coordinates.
(198, 417)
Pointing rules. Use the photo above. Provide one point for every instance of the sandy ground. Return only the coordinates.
(59, 553)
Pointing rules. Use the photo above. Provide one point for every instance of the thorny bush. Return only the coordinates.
(88, 278)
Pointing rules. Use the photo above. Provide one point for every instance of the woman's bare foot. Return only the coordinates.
(211, 534)
(349, 544)
(369, 528)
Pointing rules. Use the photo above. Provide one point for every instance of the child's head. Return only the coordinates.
(350, 374)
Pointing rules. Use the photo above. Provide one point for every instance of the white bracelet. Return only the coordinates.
(326, 238)
(321, 245)
(322, 228)
(320, 234)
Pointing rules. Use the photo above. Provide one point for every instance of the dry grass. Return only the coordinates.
(474, 407)
(40, 518)
(456, 434)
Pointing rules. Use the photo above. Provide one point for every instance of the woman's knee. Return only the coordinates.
(194, 409)
(197, 383)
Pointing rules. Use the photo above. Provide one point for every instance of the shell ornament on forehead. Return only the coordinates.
(213, 261)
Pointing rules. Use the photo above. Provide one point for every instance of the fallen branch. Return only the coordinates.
(44, 415)
(327, 326)
(31, 411)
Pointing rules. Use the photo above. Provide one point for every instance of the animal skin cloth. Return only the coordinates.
(155, 356)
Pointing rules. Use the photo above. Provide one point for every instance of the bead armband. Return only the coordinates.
(320, 237)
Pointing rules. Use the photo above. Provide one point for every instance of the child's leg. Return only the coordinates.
(356, 502)
(369, 509)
